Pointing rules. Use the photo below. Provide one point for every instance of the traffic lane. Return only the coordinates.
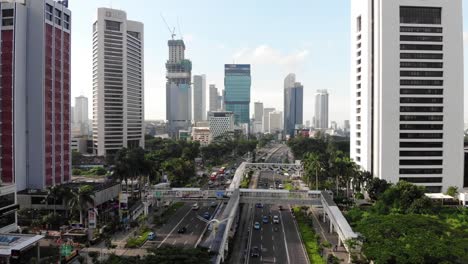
(194, 226)
(165, 229)
(257, 238)
(278, 240)
(296, 250)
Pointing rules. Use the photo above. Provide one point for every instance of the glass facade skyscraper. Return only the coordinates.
(237, 83)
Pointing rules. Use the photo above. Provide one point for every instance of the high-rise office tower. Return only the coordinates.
(220, 123)
(266, 119)
(118, 110)
(258, 117)
(221, 104)
(81, 114)
(407, 91)
(214, 102)
(178, 89)
(199, 97)
(275, 122)
(293, 104)
(321, 109)
(237, 83)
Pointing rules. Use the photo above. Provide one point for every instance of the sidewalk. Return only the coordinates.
(323, 229)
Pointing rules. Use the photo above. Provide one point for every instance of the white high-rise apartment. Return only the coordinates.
(80, 113)
(321, 109)
(275, 122)
(199, 97)
(118, 109)
(266, 119)
(407, 90)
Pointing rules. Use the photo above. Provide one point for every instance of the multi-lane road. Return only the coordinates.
(168, 234)
(278, 243)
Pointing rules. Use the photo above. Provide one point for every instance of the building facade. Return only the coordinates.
(214, 102)
(258, 117)
(220, 123)
(202, 135)
(178, 89)
(199, 98)
(407, 91)
(276, 122)
(266, 119)
(293, 104)
(80, 114)
(321, 109)
(237, 83)
(118, 81)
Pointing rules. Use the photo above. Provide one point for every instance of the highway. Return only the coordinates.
(168, 235)
(279, 243)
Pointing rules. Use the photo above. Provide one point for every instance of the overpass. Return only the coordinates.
(235, 196)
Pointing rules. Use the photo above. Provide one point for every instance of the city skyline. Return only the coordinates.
(270, 52)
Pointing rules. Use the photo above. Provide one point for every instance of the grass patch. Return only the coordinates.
(135, 242)
(310, 239)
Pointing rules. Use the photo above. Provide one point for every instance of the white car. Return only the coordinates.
(280, 186)
(276, 219)
(195, 206)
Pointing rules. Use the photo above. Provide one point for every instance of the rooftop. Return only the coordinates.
(9, 242)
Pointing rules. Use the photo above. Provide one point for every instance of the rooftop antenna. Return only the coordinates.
(169, 28)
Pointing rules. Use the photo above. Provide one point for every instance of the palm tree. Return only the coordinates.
(81, 200)
(54, 193)
(313, 164)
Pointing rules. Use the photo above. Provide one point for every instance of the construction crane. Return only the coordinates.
(169, 28)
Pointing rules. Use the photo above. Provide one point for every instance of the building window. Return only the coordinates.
(37, 200)
(112, 25)
(420, 153)
(422, 56)
(358, 126)
(421, 91)
(358, 62)
(7, 22)
(421, 38)
(359, 37)
(358, 142)
(358, 86)
(420, 162)
(420, 47)
(421, 144)
(358, 159)
(420, 171)
(421, 118)
(8, 219)
(421, 73)
(95, 26)
(419, 109)
(358, 78)
(359, 45)
(7, 13)
(359, 24)
(421, 100)
(358, 118)
(358, 134)
(359, 53)
(358, 110)
(358, 151)
(421, 82)
(421, 135)
(422, 179)
(7, 200)
(421, 126)
(420, 64)
(358, 94)
(420, 15)
(66, 19)
(421, 29)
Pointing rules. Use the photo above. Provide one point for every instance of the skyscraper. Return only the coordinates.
(178, 89)
(214, 102)
(258, 117)
(266, 119)
(199, 97)
(321, 109)
(237, 83)
(407, 91)
(118, 110)
(81, 114)
(275, 122)
(293, 104)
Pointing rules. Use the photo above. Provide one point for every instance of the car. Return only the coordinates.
(151, 236)
(213, 204)
(271, 187)
(256, 225)
(182, 230)
(206, 215)
(276, 219)
(195, 206)
(255, 252)
(265, 219)
(281, 186)
(259, 205)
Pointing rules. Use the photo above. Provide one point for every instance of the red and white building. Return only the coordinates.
(35, 93)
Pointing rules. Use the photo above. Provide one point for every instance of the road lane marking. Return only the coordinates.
(185, 243)
(164, 240)
(174, 241)
(284, 236)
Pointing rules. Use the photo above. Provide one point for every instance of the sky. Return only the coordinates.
(308, 38)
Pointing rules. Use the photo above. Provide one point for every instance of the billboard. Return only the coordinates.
(92, 218)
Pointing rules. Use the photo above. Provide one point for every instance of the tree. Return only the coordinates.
(452, 191)
(54, 193)
(81, 200)
(179, 171)
(375, 187)
(313, 164)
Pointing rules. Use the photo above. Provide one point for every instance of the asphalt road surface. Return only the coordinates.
(168, 234)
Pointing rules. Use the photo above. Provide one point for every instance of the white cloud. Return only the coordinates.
(265, 54)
